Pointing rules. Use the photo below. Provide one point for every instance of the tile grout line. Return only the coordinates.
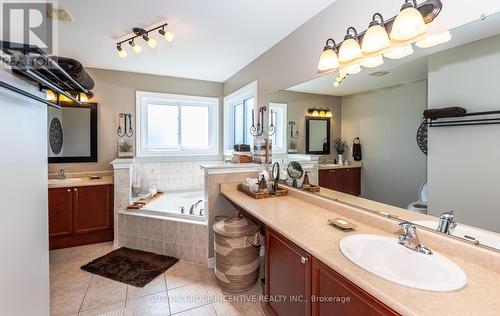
(85, 295)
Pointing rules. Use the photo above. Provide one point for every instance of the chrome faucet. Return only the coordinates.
(447, 222)
(61, 175)
(193, 207)
(410, 240)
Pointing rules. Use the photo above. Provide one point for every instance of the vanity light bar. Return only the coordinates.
(392, 38)
(144, 34)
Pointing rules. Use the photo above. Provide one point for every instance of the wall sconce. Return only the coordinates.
(258, 130)
(144, 34)
(58, 98)
(292, 134)
(319, 112)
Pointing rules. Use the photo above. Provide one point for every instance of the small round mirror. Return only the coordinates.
(276, 171)
(295, 170)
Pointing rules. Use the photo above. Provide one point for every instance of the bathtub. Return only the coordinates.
(177, 205)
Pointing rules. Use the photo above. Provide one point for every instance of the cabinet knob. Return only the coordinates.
(75, 189)
(68, 190)
(304, 260)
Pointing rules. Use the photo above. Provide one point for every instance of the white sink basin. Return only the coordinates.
(67, 180)
(384, 257)
(469, 233)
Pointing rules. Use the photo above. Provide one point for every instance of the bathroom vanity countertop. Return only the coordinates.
(84, 181)
(305, 224)
(330, 166)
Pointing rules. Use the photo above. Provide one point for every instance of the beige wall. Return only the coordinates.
(386, 121)
(464, 161)
(115, 93)
(297, 105)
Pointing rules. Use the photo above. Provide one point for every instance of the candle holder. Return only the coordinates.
(258, 130)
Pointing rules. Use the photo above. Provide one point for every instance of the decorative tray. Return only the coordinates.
(144, 201)
(313, 188)
(280, 192)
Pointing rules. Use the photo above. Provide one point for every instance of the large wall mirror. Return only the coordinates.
(72, 133)
(451, 173)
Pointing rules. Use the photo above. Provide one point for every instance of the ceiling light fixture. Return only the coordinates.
(169, 36)
(350, 49)
(368, 48)
(328, 59)
(121, 52)
(409, 23)
(144, 34)
(135, 47)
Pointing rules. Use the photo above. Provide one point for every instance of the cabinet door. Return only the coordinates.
(353, 180)
(338, 180)
(60, 212)
(288, 277)
(92, 208)
(335, 295)
(324, 178)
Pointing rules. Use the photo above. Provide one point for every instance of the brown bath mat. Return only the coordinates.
(131, 266)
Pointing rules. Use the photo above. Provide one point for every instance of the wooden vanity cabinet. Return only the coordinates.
(80, 215)
(296, 283)
(335, 295)
(288, 277)
(345, 180)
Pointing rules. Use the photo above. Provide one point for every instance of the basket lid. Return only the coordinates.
(236, 226)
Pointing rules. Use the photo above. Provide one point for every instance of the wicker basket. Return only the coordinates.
(236, 243)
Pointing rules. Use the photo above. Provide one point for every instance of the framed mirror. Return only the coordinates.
(72, 133)
(318, 135)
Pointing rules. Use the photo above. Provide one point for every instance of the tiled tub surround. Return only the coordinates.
(184, 239)
(181, 239)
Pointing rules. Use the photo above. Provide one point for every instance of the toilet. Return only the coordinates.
(420, 206)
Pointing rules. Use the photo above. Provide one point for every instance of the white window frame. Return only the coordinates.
(283, 125)
(143, 98)
(231, 100)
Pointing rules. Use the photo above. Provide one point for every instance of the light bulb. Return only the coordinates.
(408, 24)
(83, 98)
(169, 36)
(121, 52)
(329, 113)
(350, 49)
(136, 47)
(353, 69)
(399, 52)
(315, 113)
(328, 59)
(51, 96)
(322, 113)
(376, 37)
(372, 62)
(152, 42)
(434, 39)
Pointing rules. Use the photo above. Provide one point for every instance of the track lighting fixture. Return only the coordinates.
(368, 48)
(135, 47)
(169, 36)
(144, 34)
(121, 52)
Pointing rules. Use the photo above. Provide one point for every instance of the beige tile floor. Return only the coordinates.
(184, 289)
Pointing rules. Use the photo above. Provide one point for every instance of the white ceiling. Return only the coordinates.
(213, 38)
(409, 69)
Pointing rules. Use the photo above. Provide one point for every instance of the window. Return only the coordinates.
(176, 125)
(279, 140)
(238, 108)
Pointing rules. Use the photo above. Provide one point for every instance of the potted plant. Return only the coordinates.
(340, 146)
